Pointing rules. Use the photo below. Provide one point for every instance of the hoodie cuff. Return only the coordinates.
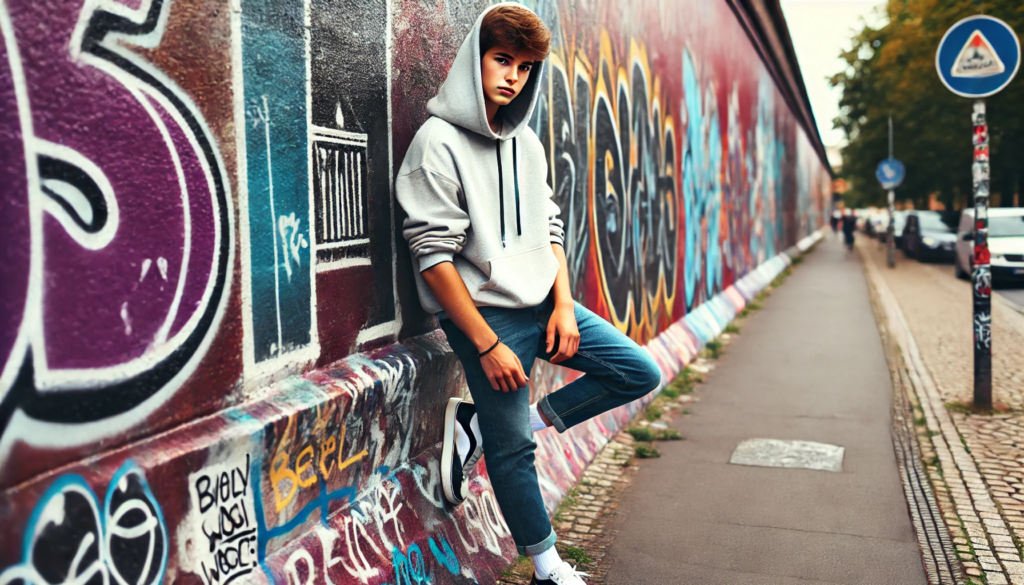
(434, 258)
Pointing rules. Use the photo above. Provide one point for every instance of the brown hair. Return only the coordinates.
(517, 28)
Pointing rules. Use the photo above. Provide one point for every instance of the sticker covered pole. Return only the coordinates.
(890, 232)
(982, 275)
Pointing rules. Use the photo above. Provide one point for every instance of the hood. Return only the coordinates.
(1006, 245)
(940, 236)
(460, 100)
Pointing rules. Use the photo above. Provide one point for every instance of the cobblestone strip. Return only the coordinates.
(989, 536)
(581, 525)
(942, 564)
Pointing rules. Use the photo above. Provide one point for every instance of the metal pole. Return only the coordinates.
(890, 233)
(982, 276)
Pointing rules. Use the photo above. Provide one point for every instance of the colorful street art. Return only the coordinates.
(119, 282)
(261, 404)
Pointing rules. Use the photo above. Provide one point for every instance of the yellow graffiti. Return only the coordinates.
(303, 474)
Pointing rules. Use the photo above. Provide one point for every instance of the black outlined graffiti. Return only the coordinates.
(68, 541)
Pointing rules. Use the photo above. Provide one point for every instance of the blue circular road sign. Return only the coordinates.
(890, 173)
(978, 56)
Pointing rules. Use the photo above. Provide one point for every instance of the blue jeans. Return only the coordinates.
(617, 371)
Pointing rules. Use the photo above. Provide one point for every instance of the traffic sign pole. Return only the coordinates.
(890, 173)
(982, 274)
(978, 57)
(890, 234)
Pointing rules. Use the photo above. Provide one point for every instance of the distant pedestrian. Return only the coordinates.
(849, 227)
(834, 220)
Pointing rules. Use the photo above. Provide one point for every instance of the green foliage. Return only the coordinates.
(714, 349)
(732, 329)
(682, 383)
(669, 435)
(647, 434)
(891, 70)
(641, 433)
(652, 413)
(646, 451)
(577, 554)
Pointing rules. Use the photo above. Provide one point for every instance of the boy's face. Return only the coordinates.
(504, 73)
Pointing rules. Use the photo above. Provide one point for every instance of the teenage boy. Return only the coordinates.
(487, 241)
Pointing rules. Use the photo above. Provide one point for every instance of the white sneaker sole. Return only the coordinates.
(448, 453)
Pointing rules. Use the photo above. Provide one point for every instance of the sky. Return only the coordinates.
(821, 29)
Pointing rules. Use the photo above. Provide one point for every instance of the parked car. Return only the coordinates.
(927, 237)
(1005, 244)
(901, 222)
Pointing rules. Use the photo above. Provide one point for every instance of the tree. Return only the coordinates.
(891, 70)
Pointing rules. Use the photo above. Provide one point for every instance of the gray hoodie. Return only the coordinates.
(478, 199)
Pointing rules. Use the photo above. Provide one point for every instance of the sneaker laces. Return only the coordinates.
(566, 574)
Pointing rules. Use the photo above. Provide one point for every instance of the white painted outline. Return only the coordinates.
(33, 307)
(100, 239)
(256, 374)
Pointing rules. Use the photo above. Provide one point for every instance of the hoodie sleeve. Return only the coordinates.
(555, 225)
(437, 224)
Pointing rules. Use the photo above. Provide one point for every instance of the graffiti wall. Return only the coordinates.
(213, 363)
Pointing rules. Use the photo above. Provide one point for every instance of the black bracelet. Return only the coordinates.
(484, 352)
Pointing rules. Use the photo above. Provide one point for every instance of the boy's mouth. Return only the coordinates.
(507, 91)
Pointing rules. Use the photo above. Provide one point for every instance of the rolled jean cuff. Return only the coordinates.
(556, 421)
(536, 549)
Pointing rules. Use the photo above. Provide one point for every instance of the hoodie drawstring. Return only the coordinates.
(501, 189)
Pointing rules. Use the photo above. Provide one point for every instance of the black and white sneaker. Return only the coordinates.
(461, 448)
(564, 574)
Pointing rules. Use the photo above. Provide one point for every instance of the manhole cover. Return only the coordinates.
(793, 454)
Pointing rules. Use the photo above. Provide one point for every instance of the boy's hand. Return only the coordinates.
(504, 369)
(562, 327)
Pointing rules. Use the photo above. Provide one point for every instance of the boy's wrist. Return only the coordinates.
(485, 341)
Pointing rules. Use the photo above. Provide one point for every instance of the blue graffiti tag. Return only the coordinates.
(411, 568)
(70, 539)
(444, 555)
(701, 185)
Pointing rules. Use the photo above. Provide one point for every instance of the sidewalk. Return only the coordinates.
(977, 474)
(809, 366)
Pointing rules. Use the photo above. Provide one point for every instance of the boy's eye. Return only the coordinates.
(501, 60)
(525, 67)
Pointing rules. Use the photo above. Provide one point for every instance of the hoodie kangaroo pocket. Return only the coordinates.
(525, 277)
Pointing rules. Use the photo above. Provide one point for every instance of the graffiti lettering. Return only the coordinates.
(226, 526)
(286, 478)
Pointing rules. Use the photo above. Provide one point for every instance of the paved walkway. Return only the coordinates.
(809, 366)
(985, 473)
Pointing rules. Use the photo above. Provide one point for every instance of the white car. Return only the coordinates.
(1005, 243)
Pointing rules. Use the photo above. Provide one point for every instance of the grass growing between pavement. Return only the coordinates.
(969, 409)
(713, 349)
(521, 569)
(569, 501)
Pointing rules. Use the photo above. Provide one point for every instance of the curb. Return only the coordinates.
(1015, 306)
(959, 470)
